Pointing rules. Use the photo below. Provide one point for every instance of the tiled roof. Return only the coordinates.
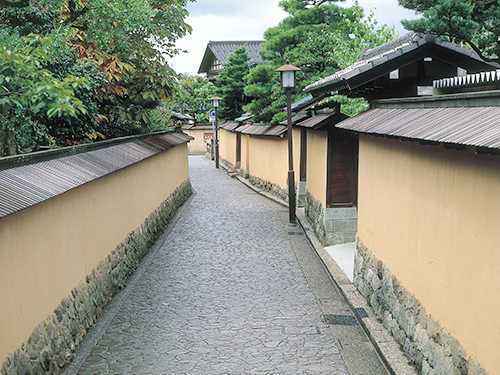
(230, 126)
(468, 119)
(28, 185)
(305, 103)
(322, 118)
(393, 44)
(394, 54)
(221, 50)
(266, 130)
(478, 126)
(255, 129)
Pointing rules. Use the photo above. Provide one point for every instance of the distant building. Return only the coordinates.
(217, 53)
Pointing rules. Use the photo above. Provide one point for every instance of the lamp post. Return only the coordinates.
(215, 105)
(288, 82)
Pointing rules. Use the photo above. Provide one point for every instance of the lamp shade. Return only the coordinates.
(215, 101)
(288, 75)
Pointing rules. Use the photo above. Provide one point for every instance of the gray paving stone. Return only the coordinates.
(226, 294)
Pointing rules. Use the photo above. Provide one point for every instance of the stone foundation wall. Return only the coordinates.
(52, 344)
(230, 166)
(333, 226)
(427, 344)
(315, 213)
(268, 186)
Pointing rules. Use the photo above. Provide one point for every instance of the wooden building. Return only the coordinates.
(217, 53)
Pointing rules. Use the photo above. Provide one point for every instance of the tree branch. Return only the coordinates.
(74, 13)
(12, 93)
(478, 51)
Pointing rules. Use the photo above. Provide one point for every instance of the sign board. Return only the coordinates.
(211, 115)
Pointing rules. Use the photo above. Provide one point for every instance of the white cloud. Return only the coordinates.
(239, 25)
(387, 12)
(248, 20)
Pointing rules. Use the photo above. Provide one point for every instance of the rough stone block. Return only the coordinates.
(421, 338)
(301, 193)
(332, 213)
(382, 295)
(433, 328)
(474, 367)
(445, 367)
(340, 225)
(353, 225)
(427, 369)
(422, 316)
(349, 213)
(434, 354)
(349, 237)
(329, 226)
(333, 239)
(387, 321)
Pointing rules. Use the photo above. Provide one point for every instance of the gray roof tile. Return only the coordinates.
(221, 50)
(388, 55)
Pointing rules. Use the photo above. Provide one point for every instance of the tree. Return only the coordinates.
(318, 37)
(475, 22)
(232, 84)
(259, 88)
(119, 47)
(26, 92)
(195, 96)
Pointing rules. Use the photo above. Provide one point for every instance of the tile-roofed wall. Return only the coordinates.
(29, 184)
(465, 119)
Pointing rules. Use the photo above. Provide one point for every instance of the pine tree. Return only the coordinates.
(475, 22)
(232, 84)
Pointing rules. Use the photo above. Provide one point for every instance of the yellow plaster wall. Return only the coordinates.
(317, 151)
(245, 151)
(433, 217)
(227, 146)
(269, 158)
(198, 144)
(47, 249)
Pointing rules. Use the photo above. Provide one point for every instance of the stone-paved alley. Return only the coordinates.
(232, 288)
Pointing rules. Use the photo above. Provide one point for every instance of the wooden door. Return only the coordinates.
(341, 189)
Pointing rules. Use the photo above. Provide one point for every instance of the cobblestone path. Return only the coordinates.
(228, 293)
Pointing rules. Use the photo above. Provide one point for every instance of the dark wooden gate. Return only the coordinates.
(342, 169)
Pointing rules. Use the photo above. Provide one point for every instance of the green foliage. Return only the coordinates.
(475, 22)
(36, 19)
(320, 38)
(195, 96)
(160, 117)
(232, 84)
(80, 71)
(24, 84)
(259, 88)
(29, 93)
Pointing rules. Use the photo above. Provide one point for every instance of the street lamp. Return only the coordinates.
(215, 105)
(288, 82)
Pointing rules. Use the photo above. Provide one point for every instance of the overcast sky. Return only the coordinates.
(219, 20)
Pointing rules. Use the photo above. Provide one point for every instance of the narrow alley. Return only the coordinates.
(231, 288)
